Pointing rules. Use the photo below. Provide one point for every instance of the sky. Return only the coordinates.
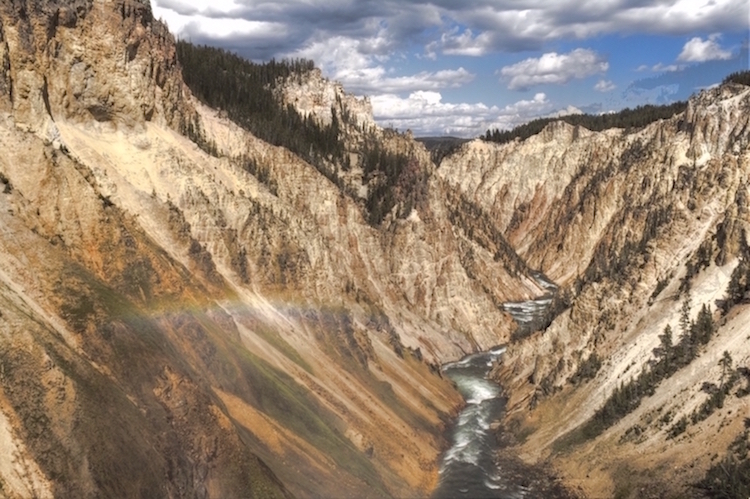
(460, 67)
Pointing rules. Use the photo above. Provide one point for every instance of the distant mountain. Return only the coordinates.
(440, 147)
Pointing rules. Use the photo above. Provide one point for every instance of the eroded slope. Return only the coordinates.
(642, 229)
(211, 321)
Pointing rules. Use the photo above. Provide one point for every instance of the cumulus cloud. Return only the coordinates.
(360, 42)
(466, 27)
(553, 68)
(344, 60)
(699, 50)
(374, 80)
(425, 113)
(567, 111)
(464, 43)
(604, 86)
(516, 25)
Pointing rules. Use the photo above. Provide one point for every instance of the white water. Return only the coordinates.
(469, 469)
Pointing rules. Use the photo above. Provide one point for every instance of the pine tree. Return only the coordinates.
(726, 367)
(685, 315)
(667, 349)
(704, 326)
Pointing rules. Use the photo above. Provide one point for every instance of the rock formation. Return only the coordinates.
(643, 228)
(176, 323)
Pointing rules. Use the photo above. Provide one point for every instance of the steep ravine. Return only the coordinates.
(176, 324)
(189, 311)
(477, 465)
(633, 226)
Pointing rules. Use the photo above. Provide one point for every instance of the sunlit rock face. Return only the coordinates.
(313, 95)
(173, 325)
(631, 223)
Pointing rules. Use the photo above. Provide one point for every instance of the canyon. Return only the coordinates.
(642, 229)
(189, 310)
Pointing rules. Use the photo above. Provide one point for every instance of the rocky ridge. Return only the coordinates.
(632, 225)
(174, 324)
(313, 95)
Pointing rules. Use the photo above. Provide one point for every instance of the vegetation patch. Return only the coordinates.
(717, 394)
(260, 171)
(245, 91)
(629, 119)
(669, 358)
(741, 77)
(286, 401)
(392, 178)
(248, 93)
(193, 130)
(730, 477)
(479, 227)
(7, 186)
(700, 260)
(441, 147)
(587, 369)
(739, 286)
(612, 260)
(274, 338)
(661, 284)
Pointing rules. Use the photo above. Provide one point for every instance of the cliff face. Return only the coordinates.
(313, 95)
(176, 323)
(642, 229)
(86, 61)
(190, 321)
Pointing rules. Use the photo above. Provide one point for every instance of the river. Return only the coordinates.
(470, 468)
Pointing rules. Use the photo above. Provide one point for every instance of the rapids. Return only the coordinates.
(469, 469)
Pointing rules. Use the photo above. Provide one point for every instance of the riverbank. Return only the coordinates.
(483, 460)
(537, 480)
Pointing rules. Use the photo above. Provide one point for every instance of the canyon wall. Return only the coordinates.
(641, 228)
(187, 310)
(175, 323)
